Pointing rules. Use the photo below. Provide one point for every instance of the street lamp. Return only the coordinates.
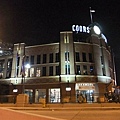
(27, 66)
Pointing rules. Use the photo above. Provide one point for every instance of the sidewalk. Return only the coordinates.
(66, 106)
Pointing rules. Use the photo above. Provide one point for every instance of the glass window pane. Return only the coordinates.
(84, 57)
(44, 71)
(32, 59)
(57, 57)
(77, 57)
(51, 58)
(31, 72)
(57, 70)
(38, 72)
(38, 59)
(85, 70)
(78, 72)
(51, 70)
(44, 58)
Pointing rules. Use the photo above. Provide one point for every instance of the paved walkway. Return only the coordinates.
(68, 107)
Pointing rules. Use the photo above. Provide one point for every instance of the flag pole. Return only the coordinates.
(91, 15)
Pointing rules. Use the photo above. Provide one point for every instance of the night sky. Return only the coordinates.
(40, 21)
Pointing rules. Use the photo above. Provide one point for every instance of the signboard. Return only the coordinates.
(86, 88)
(80, 28)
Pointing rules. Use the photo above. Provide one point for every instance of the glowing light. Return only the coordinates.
(96, 29)
(68, 88)
(103, 36)
(15, 90)
(79, 28)
(27, 66)
(92, 10)
(1, 51)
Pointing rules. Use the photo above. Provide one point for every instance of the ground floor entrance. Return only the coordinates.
(85, 92)
(85, 95)
(60, 93)
(38, 95)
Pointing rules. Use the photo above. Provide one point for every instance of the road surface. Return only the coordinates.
(8, 114)
(81, 114)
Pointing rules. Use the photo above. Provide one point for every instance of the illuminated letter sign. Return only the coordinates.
(77, 28)
(73, 28)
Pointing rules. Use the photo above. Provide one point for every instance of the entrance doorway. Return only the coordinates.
(54, 95)
(86, 94)
(86, 91)
(40, 94)
(29, 92)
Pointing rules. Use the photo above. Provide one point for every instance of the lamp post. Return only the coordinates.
(23, 73)
(27, 66)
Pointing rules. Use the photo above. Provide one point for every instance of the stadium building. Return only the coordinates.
(80, 63)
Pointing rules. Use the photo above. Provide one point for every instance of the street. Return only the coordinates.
(81, 114)
(59, 114)
(8, 114)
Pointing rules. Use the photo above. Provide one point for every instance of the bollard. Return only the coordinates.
(44, 103)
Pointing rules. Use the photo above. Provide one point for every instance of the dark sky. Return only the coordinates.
(40, 21)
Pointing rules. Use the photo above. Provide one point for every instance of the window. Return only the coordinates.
(51, 58)
(44, 58)
(44, 71)
(31, 72)
(84, 57)
(66, 56)
(38, 72)
(32, 60)
(102, 60)
(67, 69)
(91, 70)
(85, 70)
(57, 70)
(54, 95)
(57, 57)
(66, 39)
(17, 67)
(9, 64)
(38, 59)
(77, 57)
(2, 63)
(90, 57)
(9, 68)
(27, 74)
(26, 59)
(51, 70)
(78, 72)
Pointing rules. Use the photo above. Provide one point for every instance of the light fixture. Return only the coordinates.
(15, 90)
(97, 30)
(68, 88)
(27, 66)
(1, 51)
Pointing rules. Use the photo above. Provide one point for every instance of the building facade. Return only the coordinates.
(62, 71)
